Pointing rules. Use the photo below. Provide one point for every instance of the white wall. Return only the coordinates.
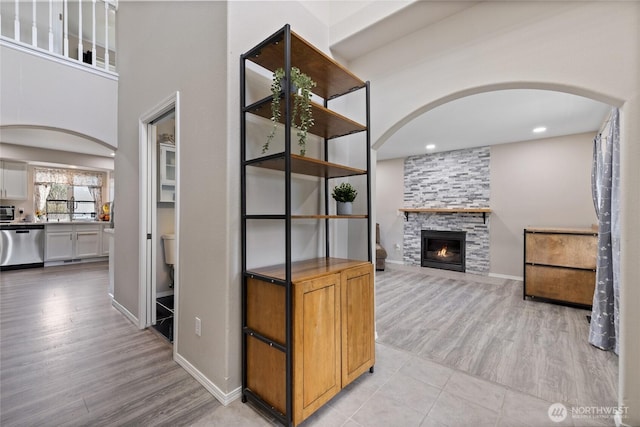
(543, 183)
(390, 198)
(587, 48)
(183, 48)
(89, 98)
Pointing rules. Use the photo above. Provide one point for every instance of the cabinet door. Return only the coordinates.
(167, 167)
(59, 246)
(88, 243)
(105, 243)
(358, 328)
(14, 181)
(316, 369)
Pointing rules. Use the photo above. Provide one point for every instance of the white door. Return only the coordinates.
(149, 238)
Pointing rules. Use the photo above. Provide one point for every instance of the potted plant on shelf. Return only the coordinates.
(344, 194)
(301, 85)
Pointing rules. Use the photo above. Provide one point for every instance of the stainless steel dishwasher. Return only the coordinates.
(21, 246)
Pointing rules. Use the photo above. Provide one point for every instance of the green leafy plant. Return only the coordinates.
(344, 192)
(302, 85)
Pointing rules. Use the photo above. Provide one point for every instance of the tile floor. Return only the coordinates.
(406, 390)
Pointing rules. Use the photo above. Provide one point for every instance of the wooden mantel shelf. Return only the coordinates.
(483, 211)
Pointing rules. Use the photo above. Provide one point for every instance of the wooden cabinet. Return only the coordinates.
(333, 332)
(308, 326)
(13, 180)
(560, 265)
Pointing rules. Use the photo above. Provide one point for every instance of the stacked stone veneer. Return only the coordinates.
(452, 179)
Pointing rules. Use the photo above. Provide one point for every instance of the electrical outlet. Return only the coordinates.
(198, 326)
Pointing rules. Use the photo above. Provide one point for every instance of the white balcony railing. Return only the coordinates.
(76, 30)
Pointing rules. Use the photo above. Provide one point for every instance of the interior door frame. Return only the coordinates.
(147, 219)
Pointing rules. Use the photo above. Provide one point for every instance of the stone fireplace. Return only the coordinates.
(452, 179)
(443, 249)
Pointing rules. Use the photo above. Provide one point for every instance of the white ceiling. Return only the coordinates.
(52, 139)
(478, 120)
(495, 118)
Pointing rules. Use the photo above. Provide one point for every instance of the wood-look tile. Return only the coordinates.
(69, 358)
(482, 326)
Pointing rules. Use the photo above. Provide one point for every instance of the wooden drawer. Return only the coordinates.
(567, 250)
(560, 284)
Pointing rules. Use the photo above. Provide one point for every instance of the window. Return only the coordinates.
(67, 195)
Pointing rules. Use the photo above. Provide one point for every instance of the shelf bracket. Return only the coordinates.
(406, 216)
(484, 217)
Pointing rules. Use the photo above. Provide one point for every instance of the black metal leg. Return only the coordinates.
(371, 369)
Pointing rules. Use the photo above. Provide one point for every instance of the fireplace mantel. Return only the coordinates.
(483, 211)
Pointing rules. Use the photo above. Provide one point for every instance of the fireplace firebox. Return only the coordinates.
(444, 249)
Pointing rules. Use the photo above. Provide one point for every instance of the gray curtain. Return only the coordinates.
(605, 182)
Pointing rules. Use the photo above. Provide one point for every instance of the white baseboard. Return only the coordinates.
(224, 398)
(124, 311)
(506, 276)
(393, 261)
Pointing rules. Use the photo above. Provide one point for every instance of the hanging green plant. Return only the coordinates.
(301, 86)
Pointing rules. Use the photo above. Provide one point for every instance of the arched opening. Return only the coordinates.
(556, 163)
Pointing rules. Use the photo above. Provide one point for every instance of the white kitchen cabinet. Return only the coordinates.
(64, 242)
(167, 167)
(58, 243)
(88, 241)
(13, 180)
(105, 240)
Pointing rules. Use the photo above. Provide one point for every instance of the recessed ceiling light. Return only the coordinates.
(430, 146)
(539, 129)
(113, 154)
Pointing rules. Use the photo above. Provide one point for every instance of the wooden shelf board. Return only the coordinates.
(446, 210)
(562, 230)
(327, 216)
(308, 269)
(308, 166)
(327, 124)
(331, 78)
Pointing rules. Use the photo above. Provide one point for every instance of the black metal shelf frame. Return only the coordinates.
(283, 36)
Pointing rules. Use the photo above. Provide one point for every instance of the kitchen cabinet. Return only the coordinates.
(307, 324)
(65, 242)
(13, 180)
(560, 265)
(167, 170)
(333, 332)
(105, 240)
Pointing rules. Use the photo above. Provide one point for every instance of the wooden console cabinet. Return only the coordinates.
(333, 332)
(560, 265)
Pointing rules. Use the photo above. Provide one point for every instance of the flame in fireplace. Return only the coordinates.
(442, 252)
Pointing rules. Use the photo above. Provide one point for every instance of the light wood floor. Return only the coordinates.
(68, 358)
(483, 326)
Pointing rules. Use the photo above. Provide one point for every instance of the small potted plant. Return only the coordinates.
(301, 85)
(344, 194)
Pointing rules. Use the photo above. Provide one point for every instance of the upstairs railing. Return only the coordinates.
(80, 30)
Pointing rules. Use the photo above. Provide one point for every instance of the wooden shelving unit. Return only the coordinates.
(308, 326)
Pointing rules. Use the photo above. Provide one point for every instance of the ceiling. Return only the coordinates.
(484, 119)
(495, 118)
(53, 139)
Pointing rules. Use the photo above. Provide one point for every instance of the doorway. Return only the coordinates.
(159, 165)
